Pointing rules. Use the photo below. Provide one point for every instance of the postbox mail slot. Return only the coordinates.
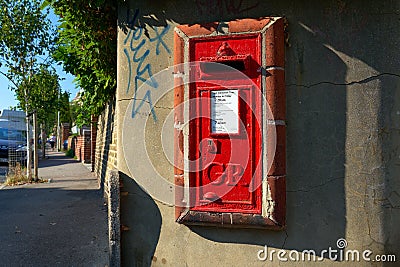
(225, 65)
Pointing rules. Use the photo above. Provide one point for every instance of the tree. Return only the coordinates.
(25, 34)
(44, 100)
(88, 50)
(65, 109)
(44, 97)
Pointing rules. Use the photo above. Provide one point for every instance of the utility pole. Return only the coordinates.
(58, 123)
(58, 129)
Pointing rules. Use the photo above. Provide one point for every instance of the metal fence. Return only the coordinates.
(13, 130)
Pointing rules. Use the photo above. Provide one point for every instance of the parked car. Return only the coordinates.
(12, 146)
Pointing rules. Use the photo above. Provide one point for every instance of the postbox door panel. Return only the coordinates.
(227, 151)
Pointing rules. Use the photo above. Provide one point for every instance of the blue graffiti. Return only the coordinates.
(143, 71)
(159, 39)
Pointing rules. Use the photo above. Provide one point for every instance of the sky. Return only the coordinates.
(7, 97)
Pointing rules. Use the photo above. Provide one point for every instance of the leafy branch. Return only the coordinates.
(87, 48)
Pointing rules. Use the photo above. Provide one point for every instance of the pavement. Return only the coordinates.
(61, 223)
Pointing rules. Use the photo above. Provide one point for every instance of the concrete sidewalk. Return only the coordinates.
(61, 223)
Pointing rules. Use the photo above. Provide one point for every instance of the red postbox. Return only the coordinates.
(228, 175)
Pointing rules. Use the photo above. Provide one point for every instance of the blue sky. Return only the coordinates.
(7, 97)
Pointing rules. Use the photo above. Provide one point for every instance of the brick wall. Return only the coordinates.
(65, 132)
(106, 144)
(93, 130)
(72, 142)
(83, 147)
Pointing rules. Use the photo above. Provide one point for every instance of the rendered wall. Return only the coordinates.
(343, 132)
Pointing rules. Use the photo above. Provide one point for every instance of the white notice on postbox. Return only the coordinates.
(224, 111)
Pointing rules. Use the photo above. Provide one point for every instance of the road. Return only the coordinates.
(61, 223)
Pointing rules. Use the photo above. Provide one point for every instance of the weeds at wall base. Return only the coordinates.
(16, 176)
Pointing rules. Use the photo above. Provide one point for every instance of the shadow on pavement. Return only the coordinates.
(55, 158)
(53, 227)
(61, 223)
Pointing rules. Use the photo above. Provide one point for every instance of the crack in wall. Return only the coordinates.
(314, 187)
(141, 99)
(368, 208)
(286, 237)
(370, 235)
(363, 81)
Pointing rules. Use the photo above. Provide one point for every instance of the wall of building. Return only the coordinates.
(343, 138)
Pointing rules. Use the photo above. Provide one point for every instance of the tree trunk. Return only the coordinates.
(35, 145)
(43, 137)
(28, 148)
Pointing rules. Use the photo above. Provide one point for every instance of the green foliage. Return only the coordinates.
(64, 108)
(74, 109)
(70, 153)
(44, 89)
(88, 50)
(80, 111)
(25, 34)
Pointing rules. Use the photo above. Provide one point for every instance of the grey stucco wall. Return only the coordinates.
(343, 132)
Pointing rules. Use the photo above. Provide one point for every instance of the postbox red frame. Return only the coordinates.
(270, 78)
